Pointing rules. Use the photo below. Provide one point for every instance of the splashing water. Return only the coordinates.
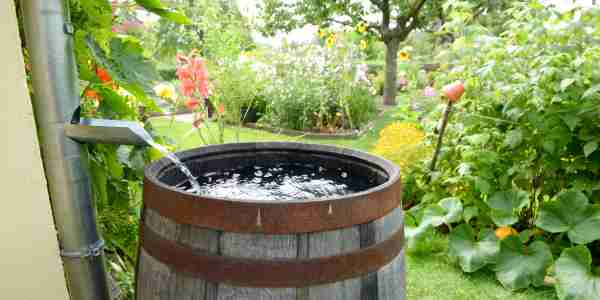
(195, 186)
(282, 182)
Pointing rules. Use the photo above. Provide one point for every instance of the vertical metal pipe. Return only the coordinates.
(55, 84)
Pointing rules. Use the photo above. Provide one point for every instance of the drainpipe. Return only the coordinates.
(55, 84)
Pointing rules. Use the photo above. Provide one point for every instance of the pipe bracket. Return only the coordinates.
(68, 28)
(92, 250)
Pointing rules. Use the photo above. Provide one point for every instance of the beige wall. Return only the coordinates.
(30, 266)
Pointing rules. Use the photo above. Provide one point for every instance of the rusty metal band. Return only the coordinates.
(276, 273)
(271, 218)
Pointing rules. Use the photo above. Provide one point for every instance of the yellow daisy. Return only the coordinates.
(363, 44)
(361, 27)
(403, 56)
(331, 40)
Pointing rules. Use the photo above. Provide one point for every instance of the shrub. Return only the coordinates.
(314, 88)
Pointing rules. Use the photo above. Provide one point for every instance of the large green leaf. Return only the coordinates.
(473, 254)
(447, 211)
(571, 213)
(575, 279)
(156, 7)
(127, 65)
(513, 138)
(505, 206)
(518, 266)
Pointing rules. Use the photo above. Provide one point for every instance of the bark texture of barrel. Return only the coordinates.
(341, 248)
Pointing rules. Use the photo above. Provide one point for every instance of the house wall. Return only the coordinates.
(30, 265)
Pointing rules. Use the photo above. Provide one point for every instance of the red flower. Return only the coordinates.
(192, 103)
(103, 75)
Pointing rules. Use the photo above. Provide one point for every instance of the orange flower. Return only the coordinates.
(103, 75)
(192, 103)
(221, 108)
(91, 94)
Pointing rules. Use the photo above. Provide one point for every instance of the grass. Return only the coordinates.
(431, 273)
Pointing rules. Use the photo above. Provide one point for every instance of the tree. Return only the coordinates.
(391, 21)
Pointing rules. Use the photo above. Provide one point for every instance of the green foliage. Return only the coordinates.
(521, 148)
(447, 211)
(315, 88)
(571, 213)
(575, 278)
(217, 28)
(156, 7)
(519, 265)
(116, 171)
(473, 252)
(505, 206)
(241, 92)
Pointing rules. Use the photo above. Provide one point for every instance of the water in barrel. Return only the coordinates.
(280, 181)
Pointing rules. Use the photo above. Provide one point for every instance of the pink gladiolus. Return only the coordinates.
(203, 88)
(193, 75)
(183, 73)
(429, 92)
(187, 87)
(198, 67)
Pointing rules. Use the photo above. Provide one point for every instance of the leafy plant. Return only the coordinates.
(571, 213)
(575, 277)
(473, 251)
(519, 265)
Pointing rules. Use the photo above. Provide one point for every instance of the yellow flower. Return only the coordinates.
(403, 56)
(165, 91)
(322, 33)
(402, 143)
(363, 44)
(331, 40)
(361, 27)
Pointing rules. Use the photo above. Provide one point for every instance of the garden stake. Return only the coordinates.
(440, 137)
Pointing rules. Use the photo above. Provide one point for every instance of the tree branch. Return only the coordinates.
(413, 15)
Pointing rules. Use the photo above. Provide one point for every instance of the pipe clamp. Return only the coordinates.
(92, 250)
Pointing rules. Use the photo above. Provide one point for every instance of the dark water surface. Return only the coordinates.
(282, 181)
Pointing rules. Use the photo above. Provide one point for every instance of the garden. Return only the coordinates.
(489, 108)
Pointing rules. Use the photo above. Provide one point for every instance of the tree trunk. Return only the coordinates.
(391, 67)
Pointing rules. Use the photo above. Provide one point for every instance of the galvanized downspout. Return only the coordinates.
(55, 84)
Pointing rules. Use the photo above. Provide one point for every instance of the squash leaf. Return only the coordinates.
(575, 279)
(571, 213)
(447, 211)
(505, 206)
(518, 265)
(473, 253)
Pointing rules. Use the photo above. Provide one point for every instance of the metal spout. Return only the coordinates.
(108, 132)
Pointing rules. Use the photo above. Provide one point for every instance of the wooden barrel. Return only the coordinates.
(198, 247)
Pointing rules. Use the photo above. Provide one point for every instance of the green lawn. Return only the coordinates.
(430, 276)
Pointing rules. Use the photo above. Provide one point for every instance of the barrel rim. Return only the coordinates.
(152, 171)
(273, 217)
